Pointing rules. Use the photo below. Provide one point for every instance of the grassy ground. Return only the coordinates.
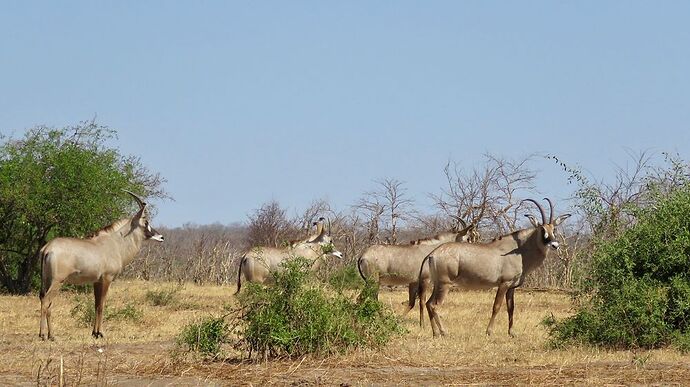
(139, 351)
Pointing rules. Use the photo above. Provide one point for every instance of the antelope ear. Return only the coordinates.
(560, 219)
(532, 220)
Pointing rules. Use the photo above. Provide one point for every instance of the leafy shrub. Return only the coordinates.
(296, 316)
(84, 312)
(204, 336)
(163, 297)
(346, 277)
(638, 294)
(129, 312)
(60, 182)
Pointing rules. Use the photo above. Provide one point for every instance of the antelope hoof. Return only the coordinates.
(96, 335)
(511, 334)
(42, 336)
(488, 332)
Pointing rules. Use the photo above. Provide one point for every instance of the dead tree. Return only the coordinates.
(488, 196)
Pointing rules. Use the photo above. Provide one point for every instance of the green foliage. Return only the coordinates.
(345, 277)
(163, 297)
(60, 182)
(85, 313)
(638, 294)
(681, 341)
(204, 336)
(297, 316)
(129, 312)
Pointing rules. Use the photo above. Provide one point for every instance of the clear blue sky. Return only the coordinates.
(237, 103)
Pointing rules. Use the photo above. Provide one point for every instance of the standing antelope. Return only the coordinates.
(399, 264)
(502, 263)
(96, 260)
(258, 262)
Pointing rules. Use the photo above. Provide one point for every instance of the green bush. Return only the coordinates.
(61, 182)
(204, 336)
(84, 312)
(297, 316)
(346, 277)
(638, 294)
(163, 297)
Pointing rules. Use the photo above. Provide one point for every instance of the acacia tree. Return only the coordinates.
(61, 182)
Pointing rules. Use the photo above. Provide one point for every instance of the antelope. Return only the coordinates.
(502, 263)
(258, 262)
(399, 264)
(97, 260)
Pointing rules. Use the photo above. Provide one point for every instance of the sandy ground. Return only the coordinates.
(142, 352)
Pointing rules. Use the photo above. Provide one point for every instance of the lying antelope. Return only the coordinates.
(502, 263)
(96, 260)
(399, 264)
(258, 262)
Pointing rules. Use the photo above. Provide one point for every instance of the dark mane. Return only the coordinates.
(110, 228)
(514, 234)
(418, 241)
(431, 238)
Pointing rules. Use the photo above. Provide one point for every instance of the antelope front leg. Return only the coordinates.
(497, 307)
(510, 305)
(100, 289)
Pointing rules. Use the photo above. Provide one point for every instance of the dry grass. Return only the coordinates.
(141, 351)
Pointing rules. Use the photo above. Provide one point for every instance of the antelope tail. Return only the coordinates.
(239, 273)
(359, 268)
(430, 259)
(43, 256)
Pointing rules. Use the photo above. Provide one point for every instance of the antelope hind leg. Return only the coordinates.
(46, 303)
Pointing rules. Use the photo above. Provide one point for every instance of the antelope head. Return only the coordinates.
(324, 239)
(141, 221)
(548, 230)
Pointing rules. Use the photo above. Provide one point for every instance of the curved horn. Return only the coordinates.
(551, 209)
(541, 209)
(319, 227)
(460, 220)
(139, 201)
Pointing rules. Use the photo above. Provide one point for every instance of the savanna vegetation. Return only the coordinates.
(61, 182)
(619, 284)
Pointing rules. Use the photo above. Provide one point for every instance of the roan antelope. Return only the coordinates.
(399, 264)
(502, 263)
(258, 262)
(96, 260)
